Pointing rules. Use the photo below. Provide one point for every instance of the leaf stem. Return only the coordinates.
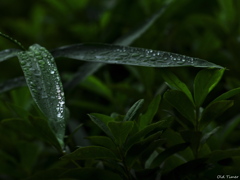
(13, 40)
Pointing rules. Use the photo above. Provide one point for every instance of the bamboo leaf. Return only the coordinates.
(8, 53)
(12, 84)
(113, 54)
(45, 86)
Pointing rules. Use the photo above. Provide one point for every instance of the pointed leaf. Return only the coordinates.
(175, 83)
(182, 103)
(167, 153)
(102, 141)
(147, 117)
(204, 82)
(227, 95)
(114, 54)
(45, 86)
(101, 121)
(89, 68)
(208, 135)
(90, 152)
(214, 110)
(8, 53)
(133, 110)
(161, 125)
(120, 130)
(135, 34)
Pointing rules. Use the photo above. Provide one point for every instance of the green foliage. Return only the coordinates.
(120, 111)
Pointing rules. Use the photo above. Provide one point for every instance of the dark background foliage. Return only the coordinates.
(206, 29)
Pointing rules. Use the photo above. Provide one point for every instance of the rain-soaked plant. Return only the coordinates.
(132, 146)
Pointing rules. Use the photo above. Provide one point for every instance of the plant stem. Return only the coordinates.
(12, 40)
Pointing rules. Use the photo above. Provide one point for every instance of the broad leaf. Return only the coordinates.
(102, 141)
(218, 155)
(45, 86)
(101, 121)
(113, 54)
(167, 153)
(182, 103)
(204, 82)
(147, 117)
(140, 147)
(214, 110)
(161, 125)
(8, 53)
(133, 110)
(90, 173)
(90, 152)
(175, 83)
(120, 130)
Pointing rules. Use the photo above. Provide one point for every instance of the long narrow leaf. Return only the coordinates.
(45, 86)
(113, 54)
(89, 68)
(8, 53)
(136, 33)
(12, 84)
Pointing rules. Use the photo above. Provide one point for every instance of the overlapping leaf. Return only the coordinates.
(113, 54)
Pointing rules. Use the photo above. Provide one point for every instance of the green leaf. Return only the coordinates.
(161, 125)
(91, 173)
(135, 34)
(12, 84)
(182, 103)
(101, 121)
(212, 111)
(218, 155)
(8, 53)
(175, 83)
(133, 110)
(44, 131)
(229, 127)
(113, 54)
(140, 147)
(147, 117)
(102, 141)
(90, 152)
(227, 95)
(120, 130)
(89, 68)
(95, 85)
(45, 86)
(204, 82)
(167, 153)
(206, 136)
